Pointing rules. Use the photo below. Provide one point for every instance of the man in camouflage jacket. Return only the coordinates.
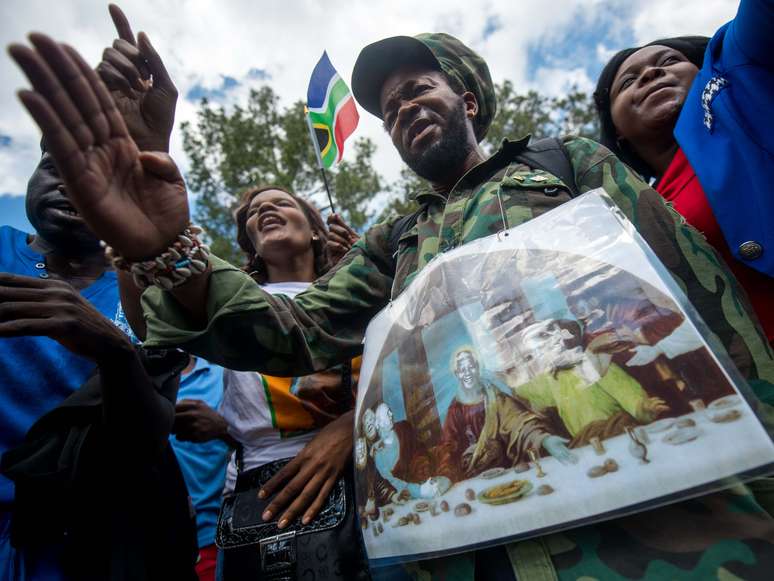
(437, 100)
(407, 82)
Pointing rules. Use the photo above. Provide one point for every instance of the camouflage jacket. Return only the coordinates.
(721, 535)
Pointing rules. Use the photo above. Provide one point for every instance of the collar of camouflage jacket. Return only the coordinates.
(507, 152)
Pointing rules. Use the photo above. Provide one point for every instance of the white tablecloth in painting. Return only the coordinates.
(575, 495)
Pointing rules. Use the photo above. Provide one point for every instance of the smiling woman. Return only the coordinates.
(634, 126)
(646, 97)
(278, 231)
(694, 115)
(293, 435)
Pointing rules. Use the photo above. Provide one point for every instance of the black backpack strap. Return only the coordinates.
(549, 154)
(400, 227)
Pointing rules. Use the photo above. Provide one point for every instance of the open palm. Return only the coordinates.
(134, 201)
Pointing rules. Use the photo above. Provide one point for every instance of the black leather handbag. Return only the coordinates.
(329, 548)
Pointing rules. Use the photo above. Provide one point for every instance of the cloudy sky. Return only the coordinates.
(221, 48)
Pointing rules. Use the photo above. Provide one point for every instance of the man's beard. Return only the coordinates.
(444, 157)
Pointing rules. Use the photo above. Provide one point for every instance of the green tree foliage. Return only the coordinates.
(356, 183)
(258, 143)
(520, 114)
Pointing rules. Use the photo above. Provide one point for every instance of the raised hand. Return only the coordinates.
(141, 87)
(340, 238)
(134, 201)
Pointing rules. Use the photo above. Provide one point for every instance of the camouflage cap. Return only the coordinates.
(436, 50)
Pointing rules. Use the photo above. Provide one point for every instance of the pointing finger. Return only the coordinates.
(121, 23)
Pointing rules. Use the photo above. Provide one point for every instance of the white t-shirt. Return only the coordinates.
(262, 413)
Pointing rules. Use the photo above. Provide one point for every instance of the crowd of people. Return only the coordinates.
(150, 386)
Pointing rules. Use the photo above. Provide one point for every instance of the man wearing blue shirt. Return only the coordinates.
(62, 327)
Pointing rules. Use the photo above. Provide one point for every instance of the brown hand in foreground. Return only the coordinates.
(323, 396)
(195, 421)
(305, 482)
(134, 201)
(141, 87)
(52, 308)
(340, 238)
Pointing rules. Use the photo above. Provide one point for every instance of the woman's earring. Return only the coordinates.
(315, 237)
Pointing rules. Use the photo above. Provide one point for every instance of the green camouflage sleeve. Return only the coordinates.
(249, 329)
(694, 264)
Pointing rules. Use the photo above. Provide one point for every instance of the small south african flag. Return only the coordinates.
(331, 110)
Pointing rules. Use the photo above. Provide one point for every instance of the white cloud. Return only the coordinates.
(555, 81)
(604, 54)
(203, 40)
(665, 18)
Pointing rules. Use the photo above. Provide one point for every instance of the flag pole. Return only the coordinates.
(316, 147)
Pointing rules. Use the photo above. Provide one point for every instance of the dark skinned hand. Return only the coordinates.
(52, 308)
(340, 238)
(305, 482)
(141, 87)
(195, 421)
(135, 201)
(323, 396)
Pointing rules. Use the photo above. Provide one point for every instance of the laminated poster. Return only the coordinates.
(539, 379)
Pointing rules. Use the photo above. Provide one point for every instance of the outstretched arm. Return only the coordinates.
(136, 202)
(249, 329)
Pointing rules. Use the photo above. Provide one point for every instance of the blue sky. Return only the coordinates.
(12, 212)
(220, 50)
(585, 43)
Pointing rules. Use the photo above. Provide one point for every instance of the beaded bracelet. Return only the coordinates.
(186, 257)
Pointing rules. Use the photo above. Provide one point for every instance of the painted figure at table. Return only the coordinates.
(591, 401)
(398, 456)
(373, 490)
(657, 346)
(487, 428)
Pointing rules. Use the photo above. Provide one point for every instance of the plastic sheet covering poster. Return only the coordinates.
(540, 380)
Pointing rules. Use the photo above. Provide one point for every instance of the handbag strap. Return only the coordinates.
(239, 458)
